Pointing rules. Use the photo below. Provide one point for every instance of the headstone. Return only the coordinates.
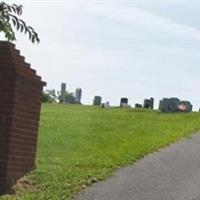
(97, 101)
(78, 94)
(125, 105)
(137, 105)
(123, 101)
(148, 103)
(185, 106)
(105, 105)
(174, 105)
(169, 104)
(62, 92)
(20, 101)
(152, 102)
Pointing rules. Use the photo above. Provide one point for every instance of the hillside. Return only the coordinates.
(79, 145)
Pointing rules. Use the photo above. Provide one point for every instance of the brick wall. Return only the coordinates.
(20, 101)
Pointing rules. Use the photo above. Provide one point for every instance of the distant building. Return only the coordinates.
(78, 94)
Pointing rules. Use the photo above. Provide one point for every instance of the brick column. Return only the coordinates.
(20, 101)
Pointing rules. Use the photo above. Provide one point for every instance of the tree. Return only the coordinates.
(49, 96)
(9, 18)
(67, 97)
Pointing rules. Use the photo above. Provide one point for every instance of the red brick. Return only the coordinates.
(20, 102)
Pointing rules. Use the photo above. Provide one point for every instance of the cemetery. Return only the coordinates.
(80, 129)
(73, 139)
(52, 146)
(166, 105)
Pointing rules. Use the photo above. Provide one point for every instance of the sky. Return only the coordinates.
(135, 49)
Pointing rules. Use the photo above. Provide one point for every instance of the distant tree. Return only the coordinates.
(68, 97)
(49, 96)
(9, 18)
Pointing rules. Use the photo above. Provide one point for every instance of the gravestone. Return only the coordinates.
(123, 101)
(152, 102)
(169, 104)
(137, 105)
(124, 105)
(105, 105)
(78, 94)
(185, 106)
(20, 101)
(174, 105)
(97, 101)
(148, 103)
(62, 92)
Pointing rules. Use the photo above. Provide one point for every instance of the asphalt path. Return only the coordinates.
(172, 173)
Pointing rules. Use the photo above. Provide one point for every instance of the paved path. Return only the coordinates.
(173, 173)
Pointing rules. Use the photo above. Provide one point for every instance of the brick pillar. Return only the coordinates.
(20, 101)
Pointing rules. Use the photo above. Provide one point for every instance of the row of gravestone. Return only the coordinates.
(148, 103)
(165, 105)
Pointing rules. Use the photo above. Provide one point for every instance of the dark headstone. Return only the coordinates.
(174, 105)
(97, 101)
(62, 92)
(78, 94)
(169, 104)
(137, 105)
(148, 103)
(123, 101)
(152, 102)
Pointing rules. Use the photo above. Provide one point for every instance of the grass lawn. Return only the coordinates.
(79, 145)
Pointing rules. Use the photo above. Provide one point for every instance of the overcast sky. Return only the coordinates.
(134, 49)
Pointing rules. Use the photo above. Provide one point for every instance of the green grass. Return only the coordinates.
(79, 145)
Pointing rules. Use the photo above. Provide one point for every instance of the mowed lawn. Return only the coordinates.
(79, 145)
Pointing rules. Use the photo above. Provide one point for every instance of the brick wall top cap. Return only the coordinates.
(12, 55)
(6, 43)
